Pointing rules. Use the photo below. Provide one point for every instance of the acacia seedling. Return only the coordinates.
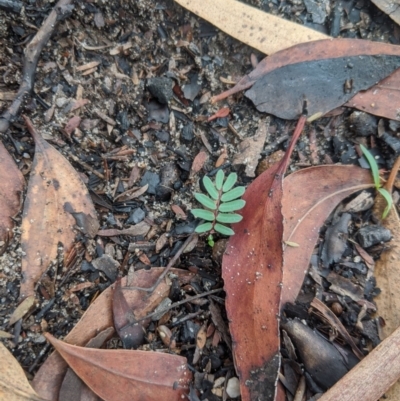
(220, 203)
(377, 181)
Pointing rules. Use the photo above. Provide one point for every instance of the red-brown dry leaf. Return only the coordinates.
(98, 317)
(325, 49)
(309, 196)
(198, 162)
(71, 125)
(54, 187)
(126, 375)
(11, 186)
(252, 273)
(382, 99)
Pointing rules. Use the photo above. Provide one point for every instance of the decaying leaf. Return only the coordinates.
(123, 375)
(309, 196)
(252, 271)
(11, 187)
(250, 149)
(14, 385)
(54, 185)
(381, 100)
(98, 317)
(251, 26)
(387, 274)
(314, 51)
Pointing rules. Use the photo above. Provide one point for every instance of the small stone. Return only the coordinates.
(153, 179)
(233, 387)
(136, 216)
(108, 266)
(161, 89)
(187, 134)
(372, 235)
(363, 124)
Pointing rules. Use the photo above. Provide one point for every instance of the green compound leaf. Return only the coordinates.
(232, 206)
(203, 214)
(203, 228)
(205, 201)
(233, 194)
(219, 179)
(388, 199)
(230, 182)
(223, 229)
(229, 218)
(210, 187)
(373, 164)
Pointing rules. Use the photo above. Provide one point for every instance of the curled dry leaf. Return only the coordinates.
(123, 375)
(250, 25)
(14, 385)
(99, 316)
(55, 189)
(11, 187)
(305, 207)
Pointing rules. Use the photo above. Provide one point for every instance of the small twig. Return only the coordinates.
(32, 54)
(86, 166)
(392, 177)
(167, 269)
(174, 305)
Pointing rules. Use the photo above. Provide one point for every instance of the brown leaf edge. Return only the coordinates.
(12, 185)
(56, 200)
(316, 50)
(98, 317)
(252, 271)
(123, 375)
(309, 196)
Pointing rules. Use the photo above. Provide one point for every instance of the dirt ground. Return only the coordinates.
(137, 130)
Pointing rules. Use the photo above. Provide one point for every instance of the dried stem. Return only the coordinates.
(32, 54)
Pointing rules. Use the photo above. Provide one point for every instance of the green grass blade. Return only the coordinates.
(373, 164)
(388, 199)
(233, 194)
(223, 229)
(205, 201)
(203, 214)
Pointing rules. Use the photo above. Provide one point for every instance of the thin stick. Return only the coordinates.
(174, 305)
(373, 376)
(392, 177)
(167, 269)
(32, 54)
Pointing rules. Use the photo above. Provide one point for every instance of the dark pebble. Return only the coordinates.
(187, 134)
(363, 124)
(163, 193)
(108, 266)
(393, 142)
(163, 136)
(189, 331)
(185, 228)
(123, 120)
(87, 267)
(153, 179)
(372, 235)
(160, 88)
(136, 216)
